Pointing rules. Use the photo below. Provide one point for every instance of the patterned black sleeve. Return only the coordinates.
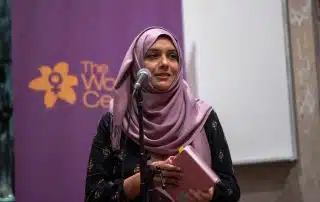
(101, 183)
(221, 162)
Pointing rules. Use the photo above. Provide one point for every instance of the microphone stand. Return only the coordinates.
(146, 171)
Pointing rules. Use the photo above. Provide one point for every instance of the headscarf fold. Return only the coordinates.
(171, 119)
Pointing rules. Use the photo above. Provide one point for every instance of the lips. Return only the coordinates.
(162, 75)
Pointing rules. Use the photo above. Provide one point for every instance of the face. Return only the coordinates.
(162, 60)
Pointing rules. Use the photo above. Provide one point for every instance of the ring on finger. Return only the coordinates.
(163, 182)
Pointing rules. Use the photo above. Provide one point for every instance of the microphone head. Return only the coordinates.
(145, 74)
(144, 71)
(143, 80)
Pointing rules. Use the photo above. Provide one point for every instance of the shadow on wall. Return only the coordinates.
(191, 71)
(270, 177)
(263, 182)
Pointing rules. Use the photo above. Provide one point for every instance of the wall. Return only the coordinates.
(299, 181)
(240, 55)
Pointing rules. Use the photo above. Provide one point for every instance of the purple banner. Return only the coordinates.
(66, 55)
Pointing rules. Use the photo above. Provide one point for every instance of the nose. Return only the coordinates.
(164, 61)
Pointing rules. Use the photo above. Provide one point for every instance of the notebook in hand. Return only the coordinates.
(197, 173)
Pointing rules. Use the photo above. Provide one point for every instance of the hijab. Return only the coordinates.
(171, 119)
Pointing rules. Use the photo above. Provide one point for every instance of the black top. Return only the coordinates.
(104, 182)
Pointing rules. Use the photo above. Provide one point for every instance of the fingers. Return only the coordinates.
(169, 176)
(170, 171)
(194, 195)
(173, 182)
(167, 166)
(211, 191)
(198, 195)
(172, 174)
(170, 159)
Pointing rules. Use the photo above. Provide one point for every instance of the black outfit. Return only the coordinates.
(6, 132)
(104, 182)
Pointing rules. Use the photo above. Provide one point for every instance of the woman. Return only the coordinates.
(172, 118)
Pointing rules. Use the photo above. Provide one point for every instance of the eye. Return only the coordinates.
(173, 56)
(151, 55)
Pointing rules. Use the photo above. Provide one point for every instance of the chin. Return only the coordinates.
(162, 87)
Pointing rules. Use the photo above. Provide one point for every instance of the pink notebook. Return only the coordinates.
(197, 173)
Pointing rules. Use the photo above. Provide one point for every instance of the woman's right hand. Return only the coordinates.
(171, 175)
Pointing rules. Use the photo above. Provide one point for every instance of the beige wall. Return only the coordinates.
(299, 181)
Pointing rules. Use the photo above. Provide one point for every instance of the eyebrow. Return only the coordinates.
(157, 49)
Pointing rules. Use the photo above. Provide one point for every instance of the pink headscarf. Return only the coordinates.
(171, 119)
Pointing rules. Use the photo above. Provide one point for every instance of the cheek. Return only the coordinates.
(175, 69)
(149, 66)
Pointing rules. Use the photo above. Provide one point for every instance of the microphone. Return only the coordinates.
(142, 75)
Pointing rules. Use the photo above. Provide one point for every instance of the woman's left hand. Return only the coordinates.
(200, 195)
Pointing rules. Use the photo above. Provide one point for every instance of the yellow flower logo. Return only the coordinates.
(56, 83)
